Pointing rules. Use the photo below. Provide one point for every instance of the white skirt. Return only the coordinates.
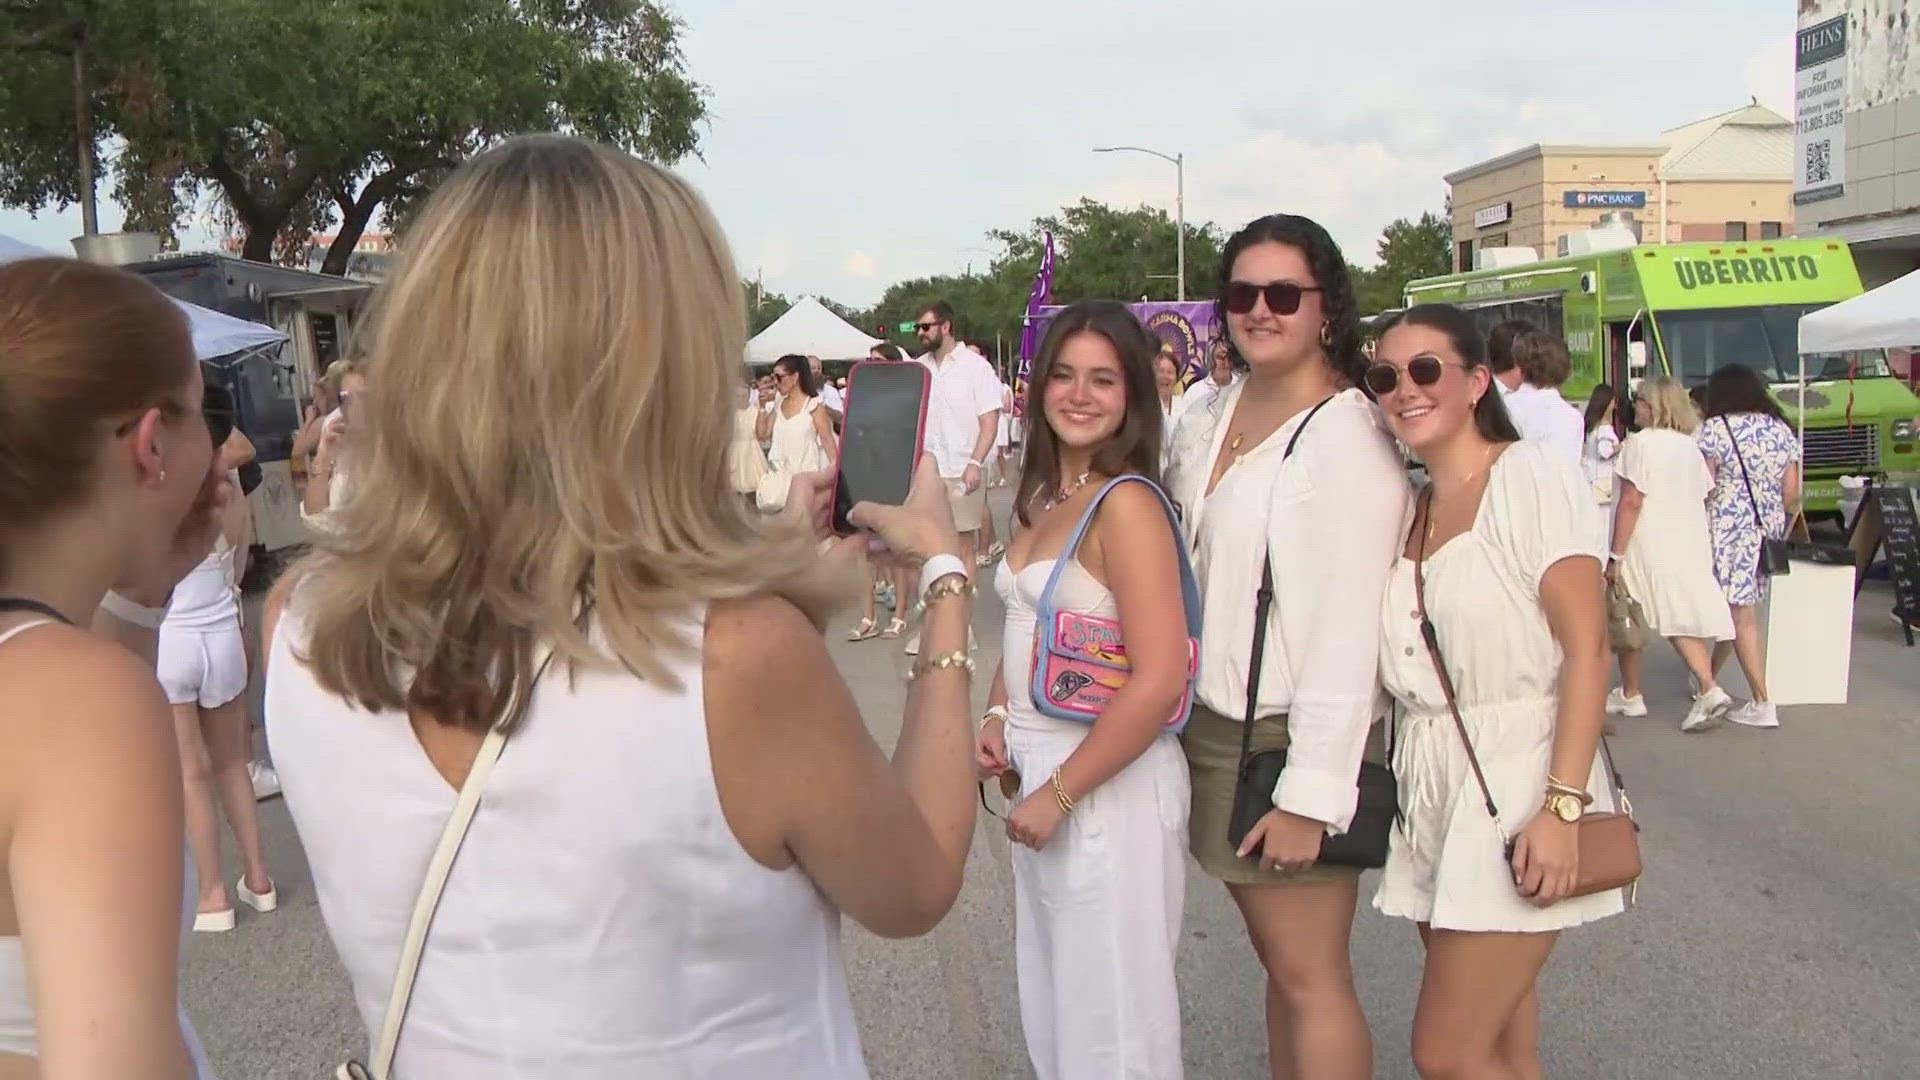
(1445, 864)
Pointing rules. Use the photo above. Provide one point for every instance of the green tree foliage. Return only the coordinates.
(308, 115)
(1408, 250)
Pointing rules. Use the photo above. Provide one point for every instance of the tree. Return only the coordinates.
(301, 115)
(1408, 250)
(763, 307)
(1103, 252)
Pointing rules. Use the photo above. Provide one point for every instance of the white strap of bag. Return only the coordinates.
(438, 868)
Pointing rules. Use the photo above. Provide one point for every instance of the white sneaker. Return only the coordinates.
(1619, 704)
(1708, 709)
(1757, 714)
(266, 781)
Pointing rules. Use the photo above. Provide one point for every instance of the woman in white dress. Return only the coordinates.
(748, 461)
(1501, 557)
(1597, 453)
(798, 431)
(1099, 866)
(1663, 550)
(1166, 380)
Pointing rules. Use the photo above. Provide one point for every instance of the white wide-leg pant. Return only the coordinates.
(1097, 915)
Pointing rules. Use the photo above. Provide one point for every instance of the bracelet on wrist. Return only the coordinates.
(1060, 795)
(958, 660)
(994, 712)
(939, 566)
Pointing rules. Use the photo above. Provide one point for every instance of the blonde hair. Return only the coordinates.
(545, 441)
(337, 374)
(1667, 405)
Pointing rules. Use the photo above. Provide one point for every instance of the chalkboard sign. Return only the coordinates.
(1889, 518)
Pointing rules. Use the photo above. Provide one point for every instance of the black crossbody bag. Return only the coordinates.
(1773, 552)
(1364, 844)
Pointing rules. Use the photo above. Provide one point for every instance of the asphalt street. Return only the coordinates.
(1777, 933)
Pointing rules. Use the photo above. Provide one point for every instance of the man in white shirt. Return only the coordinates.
(1529, 365)
(1220, 376)
(963, 418)
(830, 395)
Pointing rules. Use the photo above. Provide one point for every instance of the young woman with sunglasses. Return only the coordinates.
(1099, 822)
(1327, 514)
(1501, 557)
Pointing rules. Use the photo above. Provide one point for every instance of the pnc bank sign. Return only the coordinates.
(1755, 270)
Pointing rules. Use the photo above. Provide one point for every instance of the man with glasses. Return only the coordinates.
(1220, 376)
(963, 418)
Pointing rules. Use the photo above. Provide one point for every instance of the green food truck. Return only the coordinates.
(1686, 310)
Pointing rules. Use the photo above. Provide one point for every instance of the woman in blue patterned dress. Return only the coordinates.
(1753, 454)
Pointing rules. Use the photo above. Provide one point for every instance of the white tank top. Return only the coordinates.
(601, 920)
(207, 596)
(795, 446)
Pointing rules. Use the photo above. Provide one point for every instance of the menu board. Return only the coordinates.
(1889, 520)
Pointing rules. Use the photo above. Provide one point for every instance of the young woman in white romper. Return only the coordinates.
(1512, 576)
(1099, 824)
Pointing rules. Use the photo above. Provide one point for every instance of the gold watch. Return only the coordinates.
(1567, 808)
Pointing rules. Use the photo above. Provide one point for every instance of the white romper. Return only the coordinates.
(1445, 865)
(1097, 911)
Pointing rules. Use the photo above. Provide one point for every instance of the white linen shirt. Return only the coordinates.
(1546, 416)
(1332, 521)
(963, 388)
(833, 397)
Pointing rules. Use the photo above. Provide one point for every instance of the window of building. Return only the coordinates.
(1769, 230)
(1736, 230)
(1466, 255)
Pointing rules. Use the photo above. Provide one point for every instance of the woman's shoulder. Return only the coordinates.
(1532, 463)
(103, 691)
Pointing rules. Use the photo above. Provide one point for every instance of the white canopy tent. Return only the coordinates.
(1885, 318)
(809, 328)
(214, 334)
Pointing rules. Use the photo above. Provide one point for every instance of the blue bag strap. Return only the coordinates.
(1189, 586)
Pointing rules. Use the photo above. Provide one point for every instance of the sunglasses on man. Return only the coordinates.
(1283, 297)
(925, 327)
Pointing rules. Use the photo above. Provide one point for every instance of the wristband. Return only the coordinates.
(994, 712)
(939, 566)
(135, 614)
(976, 464)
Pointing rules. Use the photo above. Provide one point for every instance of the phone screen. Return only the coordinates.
(880, 437)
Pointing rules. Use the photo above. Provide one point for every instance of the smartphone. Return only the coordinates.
(880, 436)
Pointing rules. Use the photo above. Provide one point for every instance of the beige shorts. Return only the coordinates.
(969, 509)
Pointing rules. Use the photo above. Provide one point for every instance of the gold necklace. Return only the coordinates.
(1066, 492)
(1234, 446)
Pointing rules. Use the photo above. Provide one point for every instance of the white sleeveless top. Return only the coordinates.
(1079, 592)
(207, 597)
(601, 920)
(795, 446)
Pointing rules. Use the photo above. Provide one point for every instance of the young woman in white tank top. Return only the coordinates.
(107, 480)
(1099, 819)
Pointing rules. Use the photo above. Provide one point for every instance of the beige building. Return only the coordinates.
(1728, 177)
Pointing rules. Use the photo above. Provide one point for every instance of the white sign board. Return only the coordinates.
(1492, 215)
(1809, 617)
(1820, 111)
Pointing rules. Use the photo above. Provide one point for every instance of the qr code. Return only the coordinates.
(1820, 161)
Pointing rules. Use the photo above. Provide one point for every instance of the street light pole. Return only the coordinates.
(1179, 162)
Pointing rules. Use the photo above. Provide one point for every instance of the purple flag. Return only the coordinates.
(1038, 297)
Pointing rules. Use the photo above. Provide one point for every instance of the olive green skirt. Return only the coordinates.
(1212, 743)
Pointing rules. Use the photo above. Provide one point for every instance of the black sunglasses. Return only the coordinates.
(1283, 297)
(1384, 379)
(925, 326)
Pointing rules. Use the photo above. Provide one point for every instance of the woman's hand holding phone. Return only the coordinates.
(923, 526)
(919, 528)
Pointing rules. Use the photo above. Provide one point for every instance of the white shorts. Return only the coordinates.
(207, 667)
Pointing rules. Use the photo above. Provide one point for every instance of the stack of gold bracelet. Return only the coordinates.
(1060, 794)
(1556, 787)
(948, 587)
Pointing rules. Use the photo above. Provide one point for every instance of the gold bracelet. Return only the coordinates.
(959, 659)
(1555, 787)
(1060, 794)
(952, 585)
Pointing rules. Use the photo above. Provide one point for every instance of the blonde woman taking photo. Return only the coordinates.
(1663, 552)
(542, 542)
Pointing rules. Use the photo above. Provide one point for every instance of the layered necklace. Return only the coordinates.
(1065, 492)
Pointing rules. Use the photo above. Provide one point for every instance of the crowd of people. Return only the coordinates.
(580, 787)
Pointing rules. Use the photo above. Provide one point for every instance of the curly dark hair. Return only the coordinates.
(1737, 388)
(1329, 268)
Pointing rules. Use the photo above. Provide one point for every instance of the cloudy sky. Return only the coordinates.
(858, 142)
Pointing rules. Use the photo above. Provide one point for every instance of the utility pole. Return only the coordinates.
(83, 130)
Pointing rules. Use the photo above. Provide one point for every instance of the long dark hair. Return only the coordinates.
(1489, 413)
(798, 365)
(1737, 388)
(1329, 268)
(1135, 447)
(1598, 403)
